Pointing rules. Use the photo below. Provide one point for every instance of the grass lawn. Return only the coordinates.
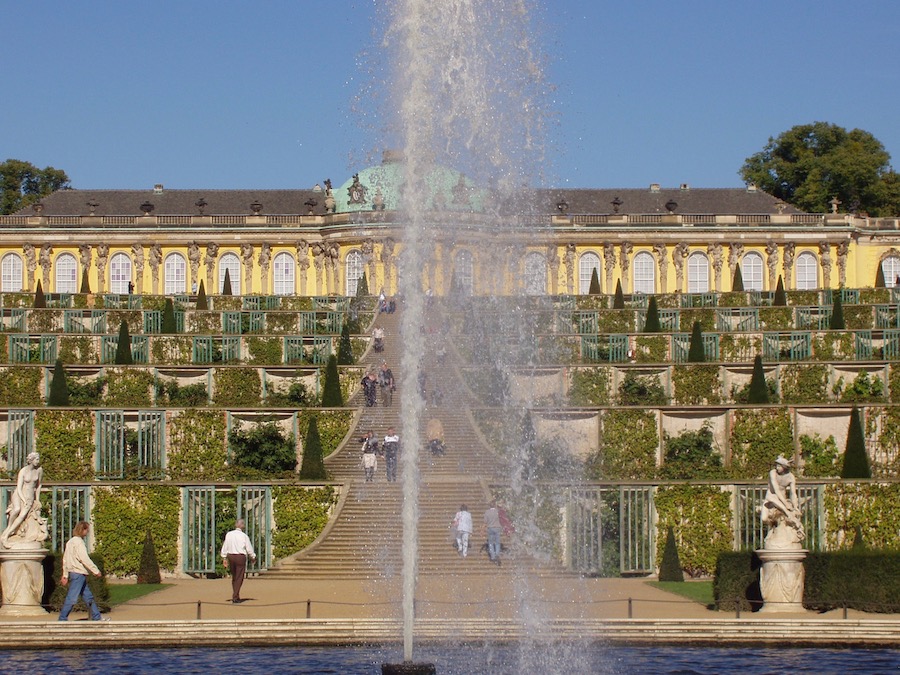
(119, 593)
(698, 591)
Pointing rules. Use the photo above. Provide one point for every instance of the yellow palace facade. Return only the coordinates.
(320, 241)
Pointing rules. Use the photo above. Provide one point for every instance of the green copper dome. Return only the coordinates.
(378, 188)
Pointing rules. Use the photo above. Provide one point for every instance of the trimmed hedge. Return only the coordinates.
(868, 581)
(736, 584)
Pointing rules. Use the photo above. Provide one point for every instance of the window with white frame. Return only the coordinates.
(586, 266)
(752, 271)
(698, 273)
(119, 273)
(284, 274)
(11, 270)
(175, 274)
(232, 264)
(890, 266)
(462, 272)
(806, 270)
(644, 273)
(354, 272)
(535, 274)
(66, 269)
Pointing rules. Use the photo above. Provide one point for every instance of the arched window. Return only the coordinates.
(354, 272)
(644, 273)
(284, 274)
(462, 272)
(11, 273)
(232, 264)
(66, 269)
(119, 273)
(891, 268)
(752, 271)
(698, 273)
(535, 274)
(807, 271)
(175, 274)
(586, 266)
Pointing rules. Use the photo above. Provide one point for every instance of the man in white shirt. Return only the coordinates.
(76, 566)
(235, 550)
(462, 521)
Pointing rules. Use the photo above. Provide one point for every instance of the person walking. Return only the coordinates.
(391, 449)
(494, 529)
(386, 383)
(77, 564)
(236, 548)
(369, 455)
(462, 521)
(370, 388)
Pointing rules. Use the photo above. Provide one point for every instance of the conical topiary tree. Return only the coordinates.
(759, 390)
(837, 314)
(313, 465)
(362, 286)
(670, 567)
(345, 347)
(737, 281)
(696, 353)
(780, 297)
(651, 324)
(85, 283)
(40, 301)
(331, 389)
(123, 347)
(148, 572)
(226, 283)
(202, 302)
(594, 288)
(856, 461)
(879, 276)
(59, 387)
(619, 298)
(169, 325)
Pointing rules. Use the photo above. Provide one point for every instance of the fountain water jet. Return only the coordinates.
(467, 93)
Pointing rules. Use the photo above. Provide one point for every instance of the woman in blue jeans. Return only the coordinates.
(77, 564)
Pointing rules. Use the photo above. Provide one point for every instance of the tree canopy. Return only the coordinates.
(23, 184)
(810, 164)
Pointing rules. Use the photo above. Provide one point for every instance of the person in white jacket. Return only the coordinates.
(76, 566)
(236, 548)
(462, 521)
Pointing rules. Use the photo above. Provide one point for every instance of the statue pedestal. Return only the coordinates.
(22, 578)
(781, 579)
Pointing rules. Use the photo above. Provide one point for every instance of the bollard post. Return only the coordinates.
(198, 610)
(629, 609)
(308, 608)
(845, 611)
(737, 608)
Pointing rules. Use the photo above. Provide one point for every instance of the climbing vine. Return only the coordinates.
(697, 384)
(804, 383)
(705, 315)
(820, 456)
(776, 318)
(873, 508)
(196, 447)
(888, 444)
(122, 517)
(21, 385)
(172, 350)
(858, 317)
(651, 348)
(129, 387)
(77, 349)
(237, 387)
(628, 446)
(264, 351)
(739, 348)
(590, 386)
(833, 346)
(204, 323)
(300, 515)
(65, 439)
(281, 323)
(700, 516)
(757, 437)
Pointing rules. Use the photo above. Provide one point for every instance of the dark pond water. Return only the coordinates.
(459, 660)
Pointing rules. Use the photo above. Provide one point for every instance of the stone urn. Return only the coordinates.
(782, 576)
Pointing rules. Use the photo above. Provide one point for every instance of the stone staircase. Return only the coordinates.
(364, 539)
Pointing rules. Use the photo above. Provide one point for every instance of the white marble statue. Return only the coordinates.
(23, 515)
(781, 508)
(782, 576)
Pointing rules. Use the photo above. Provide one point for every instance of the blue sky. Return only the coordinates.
(226, 94)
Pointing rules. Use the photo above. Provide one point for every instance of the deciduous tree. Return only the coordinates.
(23, 184)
